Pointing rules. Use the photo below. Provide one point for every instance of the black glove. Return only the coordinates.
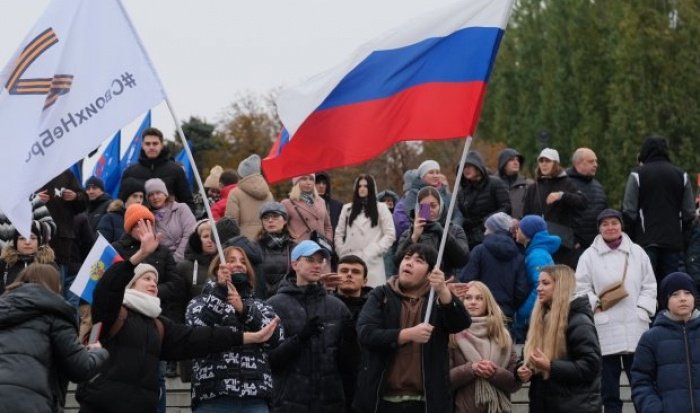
(312, 328)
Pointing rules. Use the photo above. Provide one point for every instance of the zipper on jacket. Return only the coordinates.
(687, 365)
(379, 396)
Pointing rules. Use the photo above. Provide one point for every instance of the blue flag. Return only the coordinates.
(108, 168)
(77, 170)
(183, 160)
(132, 153)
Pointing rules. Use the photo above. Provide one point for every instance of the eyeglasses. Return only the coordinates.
(315, 260)
(270, 217)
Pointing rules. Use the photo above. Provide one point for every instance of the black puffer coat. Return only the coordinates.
(574, 382)
(585, 222)
(306, 374)
(276, 261)
(477, 200)
(171, 287)
(39, 351)
(561, 212)
(165, 168)
(129, 381)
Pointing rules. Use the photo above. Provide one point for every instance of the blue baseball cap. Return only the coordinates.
(308, 248)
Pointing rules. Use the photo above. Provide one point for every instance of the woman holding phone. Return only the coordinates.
(427, 228)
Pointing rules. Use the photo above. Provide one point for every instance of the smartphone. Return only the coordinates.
(424, 211)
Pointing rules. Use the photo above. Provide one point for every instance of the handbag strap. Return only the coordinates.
(294, 204)
(624, 273)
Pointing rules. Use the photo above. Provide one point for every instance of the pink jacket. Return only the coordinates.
(316, 217)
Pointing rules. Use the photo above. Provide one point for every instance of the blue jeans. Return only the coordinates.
(610, 383)
(226, 404)
(66, 281)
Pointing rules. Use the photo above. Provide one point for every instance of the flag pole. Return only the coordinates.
(197, 178)
(445, 231)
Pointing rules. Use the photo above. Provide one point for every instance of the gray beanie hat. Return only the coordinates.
(498, 222)
(427, 166)
(249, 166)
(155, 185)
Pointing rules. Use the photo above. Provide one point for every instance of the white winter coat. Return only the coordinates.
(367, 242)
(620, 327)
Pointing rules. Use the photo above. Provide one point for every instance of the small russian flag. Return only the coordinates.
(101, 256)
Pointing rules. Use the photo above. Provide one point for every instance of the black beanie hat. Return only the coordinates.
(673, 282)
(95, 181)
(128, 187)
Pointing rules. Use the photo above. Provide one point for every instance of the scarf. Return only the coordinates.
(476, 346)
(143, 303)
(614, 244)
(308, 198)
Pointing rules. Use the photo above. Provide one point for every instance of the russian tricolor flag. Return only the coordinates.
(101, 256)
(423, 81)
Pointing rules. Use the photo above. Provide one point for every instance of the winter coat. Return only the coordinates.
(129, 381)
(308, 216)
(463, 381)
(456, 248)
(378, 330)
(574, 381)
(366, 241)
(65, 239)
(306, 375)
(402, 221)
(562, 211)
(499, 264)
(538, 253)
(333, 206)
(39, 351)
(39, 213)
(194, 280)
(175, 223)
(96, 209)
(658, 206)
(621, 326)
(477, 200)
(516, 184)
(585, 221)
(111, 224)
(244, 204)
(276, 261)
(12, 263)
(402, 215)
(171, 288)
(242, 371)
(165, 168)
(218, 209)
(666, 366)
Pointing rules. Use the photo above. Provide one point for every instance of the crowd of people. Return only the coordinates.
(316, 306)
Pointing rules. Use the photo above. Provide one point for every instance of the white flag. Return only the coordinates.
(79, 76)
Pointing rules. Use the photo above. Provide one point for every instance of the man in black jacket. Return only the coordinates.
(658, 207)
(98, 201)
(155, 162)
(404, 360)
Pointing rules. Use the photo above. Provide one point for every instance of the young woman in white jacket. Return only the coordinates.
(613, 257)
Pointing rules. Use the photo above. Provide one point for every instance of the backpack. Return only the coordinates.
(121, 318)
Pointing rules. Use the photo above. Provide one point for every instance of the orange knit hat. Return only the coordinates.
(134, 214)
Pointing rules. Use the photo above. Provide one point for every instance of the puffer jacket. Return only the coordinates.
(129, 381)
(218, 209)
(171, 289)
(456, 247)
(39, 351)
(574, 381)
(175, 222)
(242, 371)
(111, 224)
(244, 204)
(585, 221)
(666, 366)
(499, 264)
(12, 263)
(477, 200)
(538, 253)
(306, 375)
(165, 168)
(276, 260)
(562, 211)
(96, 209)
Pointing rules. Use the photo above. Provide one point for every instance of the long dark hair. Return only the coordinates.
(368, 205)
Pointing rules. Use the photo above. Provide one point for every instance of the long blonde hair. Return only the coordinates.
(295, 192)
(495, 319)
(548, 322)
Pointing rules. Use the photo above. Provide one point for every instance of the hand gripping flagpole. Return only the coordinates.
(180, 133)
(445, 231)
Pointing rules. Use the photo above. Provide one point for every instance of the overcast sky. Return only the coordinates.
(210, 51)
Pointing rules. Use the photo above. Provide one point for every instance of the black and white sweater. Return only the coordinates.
(245, 370)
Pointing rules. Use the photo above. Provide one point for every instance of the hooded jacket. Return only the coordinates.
(538, 253)
(306, 374)
(516, 184)
(276, 260)
(333, 206)
(244, 202)
(585, 221)
(12, 263)
(499, 264)
(666, 366)
(574, 381)
(218, 209)
(165, 168)
(658, 206)
(39, 351)
(477, 200)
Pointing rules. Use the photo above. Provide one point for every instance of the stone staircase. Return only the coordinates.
(178, 400)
